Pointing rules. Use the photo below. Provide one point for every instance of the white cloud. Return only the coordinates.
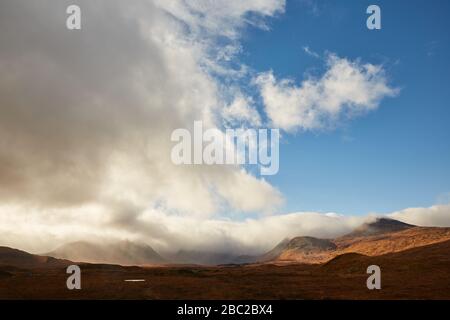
(221, 17)
(435, 216)
(346, 89)
(242, 110)
(311, 53)
(87, 115)
(28, 229)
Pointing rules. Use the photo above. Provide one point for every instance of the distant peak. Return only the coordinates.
(388, 222)
(379, 226)
(121, 252)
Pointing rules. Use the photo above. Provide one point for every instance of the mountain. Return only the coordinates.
(392, 241)
(379, 237)
(124, 253)
(268, 256)
(300, 249)
(379, 226)
(375, 238)
(16, 258)
(307, 249)
(275, 252)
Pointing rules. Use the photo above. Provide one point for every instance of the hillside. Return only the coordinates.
(379, 226)
(418, 273)
(124, 253)
(21, 259)
(379, 237)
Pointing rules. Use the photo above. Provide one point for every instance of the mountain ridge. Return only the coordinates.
(378, 237)
(17, 258)
(374, 238)
(124, 253)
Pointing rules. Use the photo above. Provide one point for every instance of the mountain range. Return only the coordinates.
(375, 238)
(415, 262)
(124, 253)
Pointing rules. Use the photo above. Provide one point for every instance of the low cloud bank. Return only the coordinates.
(37, 232)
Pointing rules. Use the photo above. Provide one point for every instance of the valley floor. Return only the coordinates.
(420, 273)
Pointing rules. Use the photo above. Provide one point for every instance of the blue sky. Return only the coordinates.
(392, 158)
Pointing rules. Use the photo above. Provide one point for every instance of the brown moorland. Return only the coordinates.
(414, 261)
(418, 273)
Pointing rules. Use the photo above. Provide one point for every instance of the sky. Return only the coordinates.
(394, 157)
(87, 117)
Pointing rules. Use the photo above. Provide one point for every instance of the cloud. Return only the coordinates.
(86, 120)
(241, 110)
(29, 229)
(348, 88)
(222, 17)
(87, 115)
(311, 53)
(435, 216)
